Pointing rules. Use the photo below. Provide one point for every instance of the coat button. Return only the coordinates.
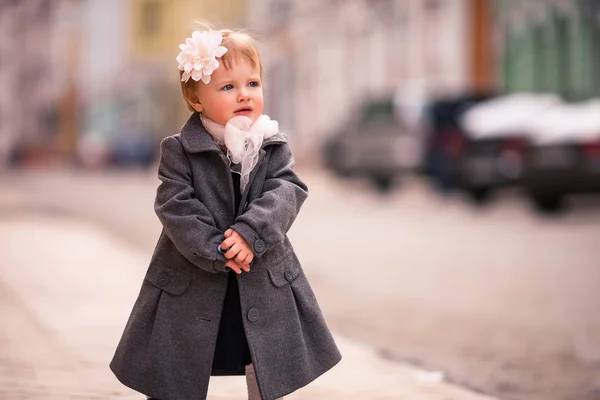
(289, 275)
(245, 207)
(253, 315)
(259, 246)
(163, 279)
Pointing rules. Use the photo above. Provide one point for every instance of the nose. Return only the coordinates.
(243, 94)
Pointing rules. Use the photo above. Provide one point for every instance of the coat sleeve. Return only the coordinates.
(267, 219)
(186, 220)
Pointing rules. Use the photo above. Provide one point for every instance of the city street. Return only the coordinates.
(501, 299)
(430, 295)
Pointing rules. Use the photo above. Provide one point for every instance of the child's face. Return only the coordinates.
(231, 92)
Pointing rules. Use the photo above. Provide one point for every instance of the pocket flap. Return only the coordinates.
(168, 279)
(284, 271)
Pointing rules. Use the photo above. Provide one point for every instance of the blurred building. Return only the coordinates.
(28, 111)
(324, 58)
(132, 45)
(550, 46)
(83, 73)
(157, 27)
(72, 70)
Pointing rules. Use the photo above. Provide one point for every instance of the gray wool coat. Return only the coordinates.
(167, 347)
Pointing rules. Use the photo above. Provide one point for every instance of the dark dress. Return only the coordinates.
(232, 353)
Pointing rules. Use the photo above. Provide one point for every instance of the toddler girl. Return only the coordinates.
(224, 293)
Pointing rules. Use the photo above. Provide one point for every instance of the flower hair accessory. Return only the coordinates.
(198, 56)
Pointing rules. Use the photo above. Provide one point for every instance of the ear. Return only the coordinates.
(193, 100)
(198, 107)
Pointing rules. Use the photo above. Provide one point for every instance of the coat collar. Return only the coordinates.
(195, 138)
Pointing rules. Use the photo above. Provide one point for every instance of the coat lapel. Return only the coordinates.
(195, 138)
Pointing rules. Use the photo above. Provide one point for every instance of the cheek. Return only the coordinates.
(218, 107)
(223, 98)
(224, 103)
(259, 102)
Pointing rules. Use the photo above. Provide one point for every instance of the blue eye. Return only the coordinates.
(227, 87)
(254, 84)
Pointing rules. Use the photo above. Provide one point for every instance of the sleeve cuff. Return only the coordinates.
(251, 236)
(219, 266)
(220, 260)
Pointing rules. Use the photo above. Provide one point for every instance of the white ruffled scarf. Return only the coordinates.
(243, 140)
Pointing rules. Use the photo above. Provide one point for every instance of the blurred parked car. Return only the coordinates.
(565, 154)
(493, 144)
(444, 139)
(372, 145)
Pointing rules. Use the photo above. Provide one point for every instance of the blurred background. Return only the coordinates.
(452, 148)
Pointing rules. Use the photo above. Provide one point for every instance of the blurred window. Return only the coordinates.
(378, 112)
(151, 17)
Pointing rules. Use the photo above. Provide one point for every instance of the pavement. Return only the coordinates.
(66, 289)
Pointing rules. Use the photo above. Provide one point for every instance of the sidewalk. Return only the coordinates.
(66, 290)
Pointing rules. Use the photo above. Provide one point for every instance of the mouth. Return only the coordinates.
(243, 111)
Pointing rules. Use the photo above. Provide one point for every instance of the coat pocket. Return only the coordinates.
(168, 279)
(285, 270)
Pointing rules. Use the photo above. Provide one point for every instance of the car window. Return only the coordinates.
(378, 112)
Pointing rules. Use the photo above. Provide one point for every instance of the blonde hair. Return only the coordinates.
(240, 46)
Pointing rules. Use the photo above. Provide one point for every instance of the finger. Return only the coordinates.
(250, 257)
(241, 239)
(233, 266)
(247, 260)
(245, 267)
(228, 232)
(241, 256)
(227, 243)
(233, 251)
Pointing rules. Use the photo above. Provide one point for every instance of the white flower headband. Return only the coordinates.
(197, 58)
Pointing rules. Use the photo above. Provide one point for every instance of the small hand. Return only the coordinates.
(238, 249)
